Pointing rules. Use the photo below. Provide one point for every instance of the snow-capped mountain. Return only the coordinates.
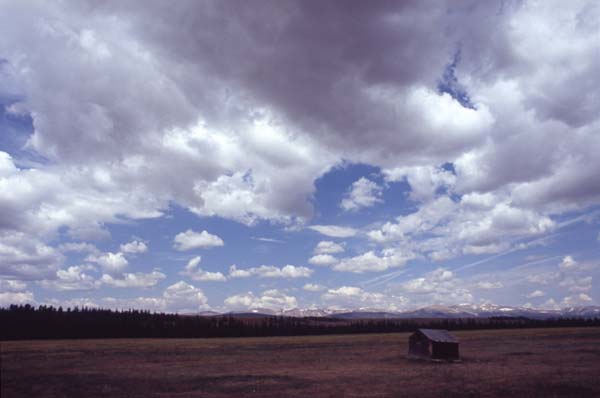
(433, 311)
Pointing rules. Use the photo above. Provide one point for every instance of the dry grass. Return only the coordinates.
(531, 363)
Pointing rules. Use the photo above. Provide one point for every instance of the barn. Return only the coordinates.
(433, 344)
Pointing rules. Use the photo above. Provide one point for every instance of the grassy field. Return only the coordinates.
(516, 363)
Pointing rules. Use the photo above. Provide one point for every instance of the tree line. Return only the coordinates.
(26, 322)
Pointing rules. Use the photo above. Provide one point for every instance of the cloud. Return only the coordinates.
(328, 247)
(269, 299)
(269, 240)
(270, 271)
(477, 224)
(453, 110)
(72, 278)
(8, 298)
(372, 262)
(111, 263)
(134, 247)
(424, 181)
(11, 285)
(568, 263)
(189, 240)
(323, 260)
(362, 193)
(134, 280)
(198, 274)
(334, 231)
(79, 247)
(485, 285)
(357, 298)
(313, 287)
(179, 297)
(576, 300)
(25, 257)
(536, 293)
(436, 287)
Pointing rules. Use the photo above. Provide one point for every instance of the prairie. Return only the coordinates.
(560, 362)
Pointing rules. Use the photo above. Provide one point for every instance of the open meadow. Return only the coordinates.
(532, 362)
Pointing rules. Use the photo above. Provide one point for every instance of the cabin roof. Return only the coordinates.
(439, 335)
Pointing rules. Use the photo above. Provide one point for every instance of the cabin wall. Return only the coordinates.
(419, 346)
(444, 350)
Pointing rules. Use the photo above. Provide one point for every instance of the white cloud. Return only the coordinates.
(8, 298)
(72, 278)
(179, 297)
(424, 181)
(12, 285)
(437, 287)
(189, 240)
(486, 285)
(26, 257)
(133, 247)
(269, 299)
(134, 280)
(111, 263)
(536, 293)
(443, 228)
(184, 297)
(198, 274)
(270, 271)
(323, 260)
(328, 247)
(80, 247)
(568, 263)
(313, 287)
(354, 297)
(372, 262)
(334, 231)
(576, 300)
(362, 193)
(576, 284)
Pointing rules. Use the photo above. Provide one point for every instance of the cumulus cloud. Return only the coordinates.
(373, 262)
(477, 224)
(134, 247)
(576, 300)
(11, 285)
(323, 259)
(72, 278)
(270, 299)
(568, 263)
(189, 240)
(25, 257)
(271, 271)
(536, 293)
(424, 181)
(198, 274)
(362, 193)
(356, 297)
(453, 110)
(328, 247)
(440, 286)
(313, 287)
(111, 263)
(8, 298)
(486, 285)
(133, 280)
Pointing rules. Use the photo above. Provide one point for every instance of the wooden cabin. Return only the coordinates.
(433, 344)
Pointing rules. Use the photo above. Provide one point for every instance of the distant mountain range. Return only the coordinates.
(434, 311)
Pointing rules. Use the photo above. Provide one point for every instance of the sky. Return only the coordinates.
(224, 155)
